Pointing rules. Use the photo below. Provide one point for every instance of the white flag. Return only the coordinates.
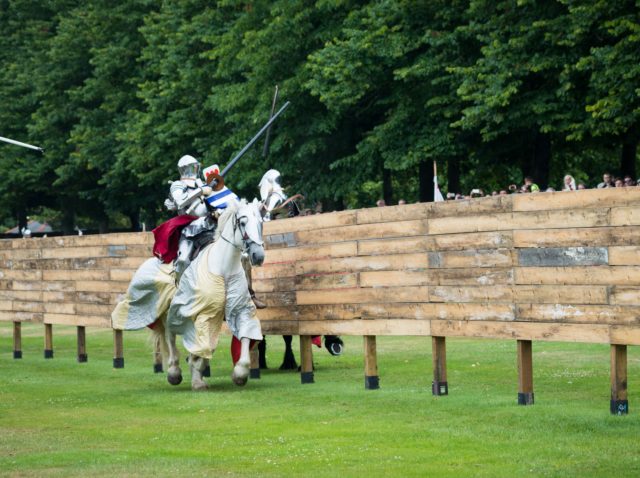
(437, 195)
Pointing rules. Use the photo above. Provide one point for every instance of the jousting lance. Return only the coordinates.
(24, 145)
(254, 139)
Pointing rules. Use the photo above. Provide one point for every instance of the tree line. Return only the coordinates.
(116, 92)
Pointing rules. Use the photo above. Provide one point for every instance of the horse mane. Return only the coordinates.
(227, 214)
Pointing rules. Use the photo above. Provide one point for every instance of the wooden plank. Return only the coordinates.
(278, 299)
(471, 207)
(72, 319)
(594, 333)
(26, 306)
(471, 294)
(625, 216)
(273, 271)
(274, 285)
(582, 314)
(24, 275)
(20, 254)
(75, 275)
(340, 249)
(398, 245)
(363, 263)
(595, 236)
(94, 309)
(520, 220)
(563, 256)
(366, 327)
(473, 240)
(338, 280)
(275, 241)
(453, 277)
(363, 231)
(592, 275)
(25, 295)
(59, 308)
(624, 256)
(577, 199)
(471, 258)
(74, 252)
(280, 327)
(101, 286)
(360, 295)
(560, 294)
(621, 295)
(392, 213)
(13, 316)
(124, 275)
(304, 223)
(624, 334)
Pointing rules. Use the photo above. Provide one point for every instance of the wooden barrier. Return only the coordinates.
(549, 266)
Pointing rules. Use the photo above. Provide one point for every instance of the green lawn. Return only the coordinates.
(62, 418)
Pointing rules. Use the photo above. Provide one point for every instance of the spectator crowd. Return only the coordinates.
(568, 184)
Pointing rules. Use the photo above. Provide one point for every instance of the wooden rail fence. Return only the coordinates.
(559, 266)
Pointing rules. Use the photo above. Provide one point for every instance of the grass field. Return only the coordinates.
(62, 418)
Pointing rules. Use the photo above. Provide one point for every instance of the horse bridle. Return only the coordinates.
(246, 239)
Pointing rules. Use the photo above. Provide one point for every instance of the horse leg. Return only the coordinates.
(333, 344)
(262, 353)
(174, 374)
(197, 365)
(241, 369)
(289, 360)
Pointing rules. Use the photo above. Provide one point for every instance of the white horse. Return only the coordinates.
(214, 287)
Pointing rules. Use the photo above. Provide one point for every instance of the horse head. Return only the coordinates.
(249, 225)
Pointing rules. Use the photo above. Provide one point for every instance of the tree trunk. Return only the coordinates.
(22, 218)
(629, 152)
(134, 218)
(68, 221)
(387, 190)
(425, 175)
(453, 175)
(541, 160)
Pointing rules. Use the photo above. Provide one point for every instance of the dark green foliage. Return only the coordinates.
(492, 91)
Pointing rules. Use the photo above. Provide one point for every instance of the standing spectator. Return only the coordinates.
(606, 181)
(628, 181)
(581, 185)
(531, 186)
(381, 203)
(619, 183)
(401, 202)
(569, 183)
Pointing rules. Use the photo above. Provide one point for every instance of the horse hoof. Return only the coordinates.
(174, 379)
(335, 349)
(240, 381)
(198, 386)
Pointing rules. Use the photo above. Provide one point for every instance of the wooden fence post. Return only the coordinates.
(82, 344)
(17, 340)
(48, 341)
(439, 386)
(525, 373)
(371, 379)
(619, 402)
(306, 359)
(118, 349)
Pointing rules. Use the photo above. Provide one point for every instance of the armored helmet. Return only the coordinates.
(189, 167)
(269, 183)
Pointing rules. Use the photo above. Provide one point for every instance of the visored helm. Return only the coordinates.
(270, 182)
(189, 167)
